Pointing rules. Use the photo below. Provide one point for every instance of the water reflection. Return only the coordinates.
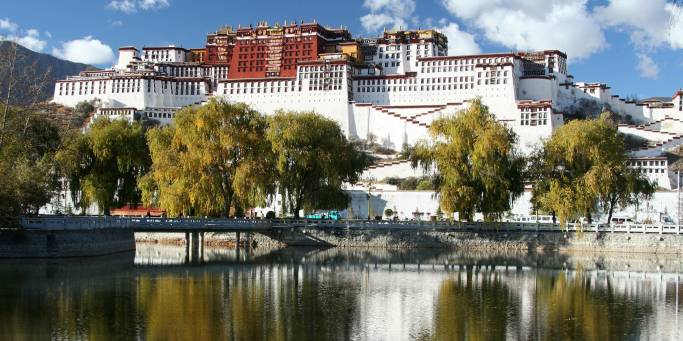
(335, 294)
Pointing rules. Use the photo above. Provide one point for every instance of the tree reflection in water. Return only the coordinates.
(482, 306)
(581, 309)
(324, 298)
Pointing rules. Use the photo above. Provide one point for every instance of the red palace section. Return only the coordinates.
(270, 51)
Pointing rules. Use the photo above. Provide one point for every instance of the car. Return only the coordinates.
(324, 215)
(621, 220)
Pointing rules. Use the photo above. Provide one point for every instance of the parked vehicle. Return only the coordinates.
(621, 220)
(325, 215)
(531, 219)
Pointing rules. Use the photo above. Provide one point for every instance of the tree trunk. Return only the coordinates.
(610, 211)
(297, 206)
(11, 63)
(226, 207)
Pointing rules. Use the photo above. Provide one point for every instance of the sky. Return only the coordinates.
(635, 46)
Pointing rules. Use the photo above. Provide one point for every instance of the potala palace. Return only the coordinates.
(389, 88)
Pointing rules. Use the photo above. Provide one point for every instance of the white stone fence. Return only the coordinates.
(216, 224)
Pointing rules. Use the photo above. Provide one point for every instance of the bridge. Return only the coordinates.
(192, 225)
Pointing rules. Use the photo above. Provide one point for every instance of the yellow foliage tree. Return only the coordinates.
(478, 167)
(211, 158)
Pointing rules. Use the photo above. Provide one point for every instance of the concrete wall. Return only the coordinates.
(663, 203)
(497, 240)
(485, 241)
(56, 244)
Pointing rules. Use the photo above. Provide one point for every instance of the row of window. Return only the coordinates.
(179, 71)
(260, 90)
(467, 61)
(159, 114)
(436, 80)
(466, 86)
(321, 75)
(126, 85)
(177, 88)
(650, 163)
(408, 47)
(84, 88)
(322, 68)
(650, 170)
(446, 69)
(116, 112)
(268, 40)
(534, 118)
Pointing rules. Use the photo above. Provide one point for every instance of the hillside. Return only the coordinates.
(26, 74)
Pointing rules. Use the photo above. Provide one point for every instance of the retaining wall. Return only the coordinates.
(55, 244)
(487, 241)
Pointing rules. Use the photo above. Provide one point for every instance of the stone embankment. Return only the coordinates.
(471, 240)
(64, 243)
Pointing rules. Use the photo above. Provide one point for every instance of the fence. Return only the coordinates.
(202, 224)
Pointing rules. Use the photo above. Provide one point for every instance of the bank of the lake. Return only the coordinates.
(96, 242)
(64, 243)
(470, 240)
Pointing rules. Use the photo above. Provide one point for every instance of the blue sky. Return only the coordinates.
(636, 46)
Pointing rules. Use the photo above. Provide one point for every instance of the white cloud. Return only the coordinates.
(29, 39)
(391, 14)
(373, 22)
(657, 23)
(132, 6)
(117, 23)
(647, 67)
(125, 6)
(459, 42)
(153, 4)
(7, 25)
(675, 26)
(86, 50)
(566, 25)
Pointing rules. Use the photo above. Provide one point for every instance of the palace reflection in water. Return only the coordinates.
(335, 294)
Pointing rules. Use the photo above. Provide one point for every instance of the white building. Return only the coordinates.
(391, 87)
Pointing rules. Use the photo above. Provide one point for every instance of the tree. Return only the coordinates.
(211, 158)
(103, 165)
(583, 163)
(74, 160)
(312, 160)
(84, 108)
(478, 167)
(28, 179)
(389, 213)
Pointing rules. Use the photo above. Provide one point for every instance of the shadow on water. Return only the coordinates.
(341, 294)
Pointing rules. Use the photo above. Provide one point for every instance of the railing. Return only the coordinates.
(199, 224)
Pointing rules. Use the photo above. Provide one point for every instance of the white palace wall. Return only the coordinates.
(139, 93)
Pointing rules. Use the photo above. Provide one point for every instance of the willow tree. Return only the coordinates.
(478, 167)
(211, 158)
(104, 165)
(28, 181)
(74, 160)
(585, 163)
(313, 159)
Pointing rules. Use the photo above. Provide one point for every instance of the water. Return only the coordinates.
(303, 294)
